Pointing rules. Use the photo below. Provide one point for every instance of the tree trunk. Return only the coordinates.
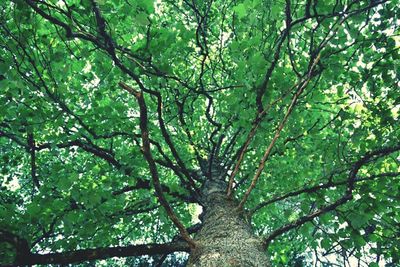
(226, 238)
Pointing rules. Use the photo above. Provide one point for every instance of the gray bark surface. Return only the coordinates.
(226, 238)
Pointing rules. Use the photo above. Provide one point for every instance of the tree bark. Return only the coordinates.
(226, 237)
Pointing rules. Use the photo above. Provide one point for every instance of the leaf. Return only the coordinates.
(357, 220)
(241, 10)
(142, 19)
(325, 243)
(276, 11)
(64, 183)
(148, 5)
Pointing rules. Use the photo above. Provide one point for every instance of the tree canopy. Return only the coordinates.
(116, 113)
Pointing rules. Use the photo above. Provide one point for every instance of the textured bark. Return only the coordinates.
(226, 238)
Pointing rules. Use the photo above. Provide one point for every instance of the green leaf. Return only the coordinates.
(241, 10)
(142, 19)
(148, 5)
(276, 11)
(325, 243)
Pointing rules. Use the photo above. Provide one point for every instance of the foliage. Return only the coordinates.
(315, 82)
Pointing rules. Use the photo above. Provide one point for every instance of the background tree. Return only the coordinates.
(121, 119)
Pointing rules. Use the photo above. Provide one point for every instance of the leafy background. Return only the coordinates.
(88, 183)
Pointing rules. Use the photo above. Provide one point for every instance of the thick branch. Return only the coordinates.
(20, 245)
(102, 253)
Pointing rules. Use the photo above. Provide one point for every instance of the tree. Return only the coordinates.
(124, 120)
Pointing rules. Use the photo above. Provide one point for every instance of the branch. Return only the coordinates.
(260, 168)
(13, 138)
(106, 43)
(315, 188)
(347, 196)
(170, 144)
(343, 15)
(90, 148)
(21, 245)
(263, 87)
(243, 151)
(152, 165)
(256, 123)
(32, 152)
(101, 253)
(68, 30)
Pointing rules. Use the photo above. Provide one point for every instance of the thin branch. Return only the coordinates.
(32, 152)
(170, 144)
(152, 165)
(91, 148)
(316, 188)
(256, 123)
(278, 132)
(347, 196)
(263, 87)
(14, 138)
